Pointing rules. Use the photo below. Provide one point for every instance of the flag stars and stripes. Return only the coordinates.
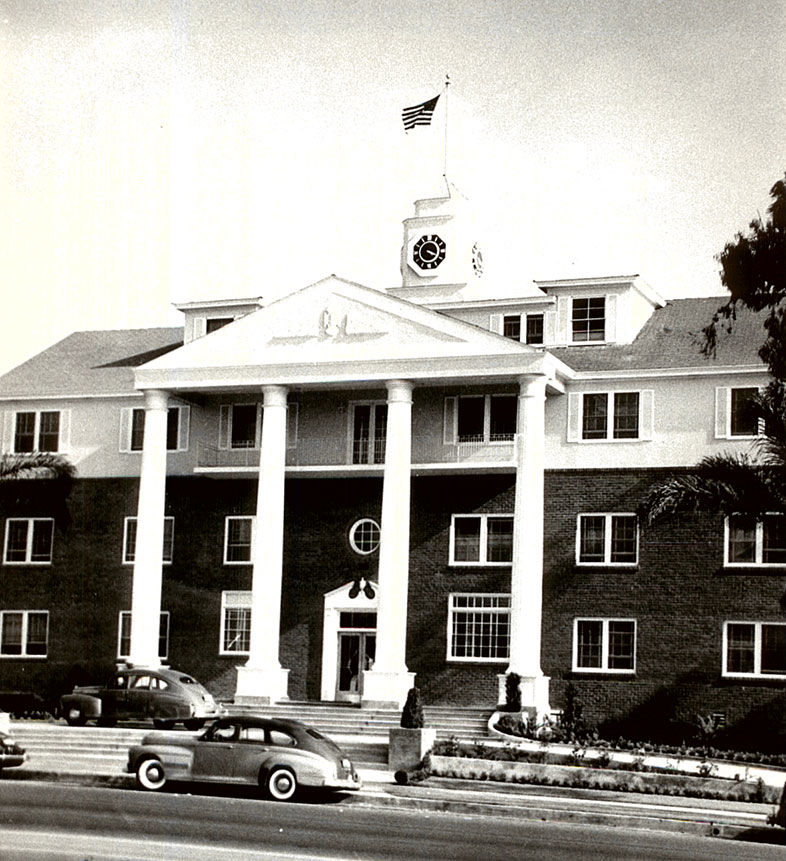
(419, 115)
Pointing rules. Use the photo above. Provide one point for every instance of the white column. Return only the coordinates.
(526, 585)
(146, 588)
(387, 684)
(262, 679)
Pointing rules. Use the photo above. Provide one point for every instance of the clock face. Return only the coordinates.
(429, 251)
(477, 260)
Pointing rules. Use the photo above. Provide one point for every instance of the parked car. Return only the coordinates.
(11, 754)
(277, 755)
(167, 696)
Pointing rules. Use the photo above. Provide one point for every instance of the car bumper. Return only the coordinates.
(12, 760)
(351, 782)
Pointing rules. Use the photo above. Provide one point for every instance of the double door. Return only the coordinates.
(356, 652)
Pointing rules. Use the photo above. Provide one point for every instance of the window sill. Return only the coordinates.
(483, 661)
(607, 564)
(582, 673)
(23, 657)
(480, 564)
(769, 680)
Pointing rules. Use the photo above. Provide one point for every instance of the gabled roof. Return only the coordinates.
(89, 363)
(672, 338)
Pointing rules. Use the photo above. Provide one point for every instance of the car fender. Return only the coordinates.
(310, 768)
(177, 760)
(90, 705)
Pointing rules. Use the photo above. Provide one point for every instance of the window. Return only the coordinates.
(534, 333)
(743, 419)
(40, 431)
(604, 645)
(754, 649)
(24, 633)
(239, 425)
(124, 636)
(480, 418)
(478, 627)
(364, 536)
(624, 409)
(28, 540)
(589, 319)
(129, 540)
(369, 430)
(481, 539)
(132, 428)
(511, 326)
(238, 540)
(755, 541)
(235, 623)
(607, 539)
(213, 323)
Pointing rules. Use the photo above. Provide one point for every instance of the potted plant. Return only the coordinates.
(411, 741)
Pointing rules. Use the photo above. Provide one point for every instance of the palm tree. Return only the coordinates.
(732, 483)
(37, 464)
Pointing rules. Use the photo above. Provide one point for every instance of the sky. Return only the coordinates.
(159, 152)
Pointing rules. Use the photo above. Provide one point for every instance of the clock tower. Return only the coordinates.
(440, 249)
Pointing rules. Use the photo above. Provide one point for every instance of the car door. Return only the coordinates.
(138, 696)
(114, 696)
(214, 753)
(251, 749)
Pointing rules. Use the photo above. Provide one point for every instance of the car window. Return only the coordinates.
(159, 684)
(118, 682)
(283, 739)
(225, 733)
(186, 680)
(141, 682)
(253, 734)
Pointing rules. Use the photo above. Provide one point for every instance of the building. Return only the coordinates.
(359, 490)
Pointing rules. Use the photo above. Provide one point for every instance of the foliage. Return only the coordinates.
(513, 692)
(753, 270)
(412, 713)
(36, 465)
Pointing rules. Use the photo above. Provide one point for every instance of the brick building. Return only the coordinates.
(357, 490)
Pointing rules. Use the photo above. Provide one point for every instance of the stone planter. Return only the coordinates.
(407, 747)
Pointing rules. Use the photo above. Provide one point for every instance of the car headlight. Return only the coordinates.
(346, 764)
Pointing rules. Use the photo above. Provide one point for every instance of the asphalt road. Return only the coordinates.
(57, 821)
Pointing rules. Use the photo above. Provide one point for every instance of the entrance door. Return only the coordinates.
(356, 652)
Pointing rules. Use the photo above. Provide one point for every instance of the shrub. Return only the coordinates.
(513, 692)
(412, 713)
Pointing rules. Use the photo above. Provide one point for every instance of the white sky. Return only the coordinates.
(154, 152)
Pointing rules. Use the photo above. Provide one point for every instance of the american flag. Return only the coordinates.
(419, 115)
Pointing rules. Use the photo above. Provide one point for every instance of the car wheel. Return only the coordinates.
(75, 716)
(194, 723)
(281, 783)
(150, 775)
(161, 723)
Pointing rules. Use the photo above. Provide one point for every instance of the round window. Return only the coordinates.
(364, 536)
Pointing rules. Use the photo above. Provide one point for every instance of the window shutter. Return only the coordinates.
(200, 327)
(574, 416)
(223, 426)
(646, 414)
(8, 432)
(125, 429)
(549, 327)
(292, 425)
(611, 318)
(495, 323)
(64, 441)
(183, 428)
(721, 412)
(449, 422)
(564, 335)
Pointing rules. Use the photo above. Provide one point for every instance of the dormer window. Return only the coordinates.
(213, 323)
(534, 333)
(589, 319)
(511, 326)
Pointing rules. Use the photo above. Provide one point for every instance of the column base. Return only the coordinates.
(534, 695)
(258, 686)
(383, 690)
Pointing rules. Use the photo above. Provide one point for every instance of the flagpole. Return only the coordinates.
(445, 159)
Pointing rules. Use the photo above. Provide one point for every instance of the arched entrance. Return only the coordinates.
(349, 636)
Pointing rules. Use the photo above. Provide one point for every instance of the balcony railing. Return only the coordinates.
(332, 451)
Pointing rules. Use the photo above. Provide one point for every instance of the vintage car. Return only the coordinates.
(277, 755)
(11, 755)
(135, 693)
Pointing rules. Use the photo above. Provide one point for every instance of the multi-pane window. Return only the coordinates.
(129, 539)
(235, 623)
(364, 536)
(239, 426)
(743, 418)
(589, 319)
(24, 633)
(607, 539)
(511, 326)
(534, 333)
(238, 538)
(478, 627)
(604, 645)
(622, 407)
(28, 540)
(369, 430)
(481, 539)
(754, 649)
(37, 431)
(485, 418)
(755, 541)
(132, 428)
(124, 636)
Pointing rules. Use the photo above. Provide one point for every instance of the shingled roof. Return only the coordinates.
(89, 363)
(672, 338)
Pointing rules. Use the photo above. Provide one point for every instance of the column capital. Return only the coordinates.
(275, 396)
(156, 399)
(532, 385)
(399, 391)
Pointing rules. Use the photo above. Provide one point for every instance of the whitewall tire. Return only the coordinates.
(281, 783)
(150, 775)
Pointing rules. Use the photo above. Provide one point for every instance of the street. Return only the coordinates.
(58, 821)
